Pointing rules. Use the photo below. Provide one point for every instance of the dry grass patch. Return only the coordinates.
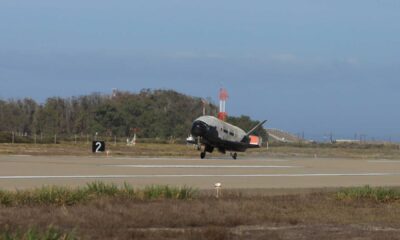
(236, 215)
(363, 151)
(338, 150)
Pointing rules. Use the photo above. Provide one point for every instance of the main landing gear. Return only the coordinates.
(234, 155)
(207, 148)
(203, 155)
(210, 149)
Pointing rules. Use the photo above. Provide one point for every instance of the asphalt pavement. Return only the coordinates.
(24, 171)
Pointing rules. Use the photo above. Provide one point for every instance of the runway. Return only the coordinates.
(25, 171)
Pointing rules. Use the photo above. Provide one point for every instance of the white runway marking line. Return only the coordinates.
(198, 166)
(384, 161)
(197, 159)
(202, 175)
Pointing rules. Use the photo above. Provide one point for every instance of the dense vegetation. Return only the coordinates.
(62, 196)
(155, 113)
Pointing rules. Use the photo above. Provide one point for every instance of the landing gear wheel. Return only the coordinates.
(234, 155)
(202, 155)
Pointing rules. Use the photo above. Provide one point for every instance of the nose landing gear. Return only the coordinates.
(234, 155)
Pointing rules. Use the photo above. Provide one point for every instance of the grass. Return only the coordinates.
(249, 215)
(69, 196)
(380, 194)
(156, 192)
(58, 195)
(83, 149)
(51, 233)
(338, 150)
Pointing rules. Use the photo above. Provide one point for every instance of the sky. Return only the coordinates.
(308, 66)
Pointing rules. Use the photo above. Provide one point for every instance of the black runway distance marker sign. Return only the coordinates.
(98, 146)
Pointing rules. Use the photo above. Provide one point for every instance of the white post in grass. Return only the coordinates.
(218, 189)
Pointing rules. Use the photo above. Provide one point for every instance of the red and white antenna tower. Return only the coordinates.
(223, 96)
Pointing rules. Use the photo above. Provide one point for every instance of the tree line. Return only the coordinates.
(152, 113)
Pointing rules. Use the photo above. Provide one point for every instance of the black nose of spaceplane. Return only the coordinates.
(199, 129)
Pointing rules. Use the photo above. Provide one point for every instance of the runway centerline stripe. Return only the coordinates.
(201, 175)
(198, 166)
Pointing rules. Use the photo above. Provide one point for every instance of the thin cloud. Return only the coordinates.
(352, 61)
(285, 58)
(195, 55)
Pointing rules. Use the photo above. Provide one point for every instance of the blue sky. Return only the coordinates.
(311, 66)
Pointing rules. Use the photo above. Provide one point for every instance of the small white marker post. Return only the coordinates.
(218, 188)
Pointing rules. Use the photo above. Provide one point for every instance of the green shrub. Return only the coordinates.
(160, 192)
(69, 196)
(102, 189)
(381, 194)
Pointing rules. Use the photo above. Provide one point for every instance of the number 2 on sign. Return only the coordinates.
(98, 144)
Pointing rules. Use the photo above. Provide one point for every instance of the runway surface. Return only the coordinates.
(34, 171)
